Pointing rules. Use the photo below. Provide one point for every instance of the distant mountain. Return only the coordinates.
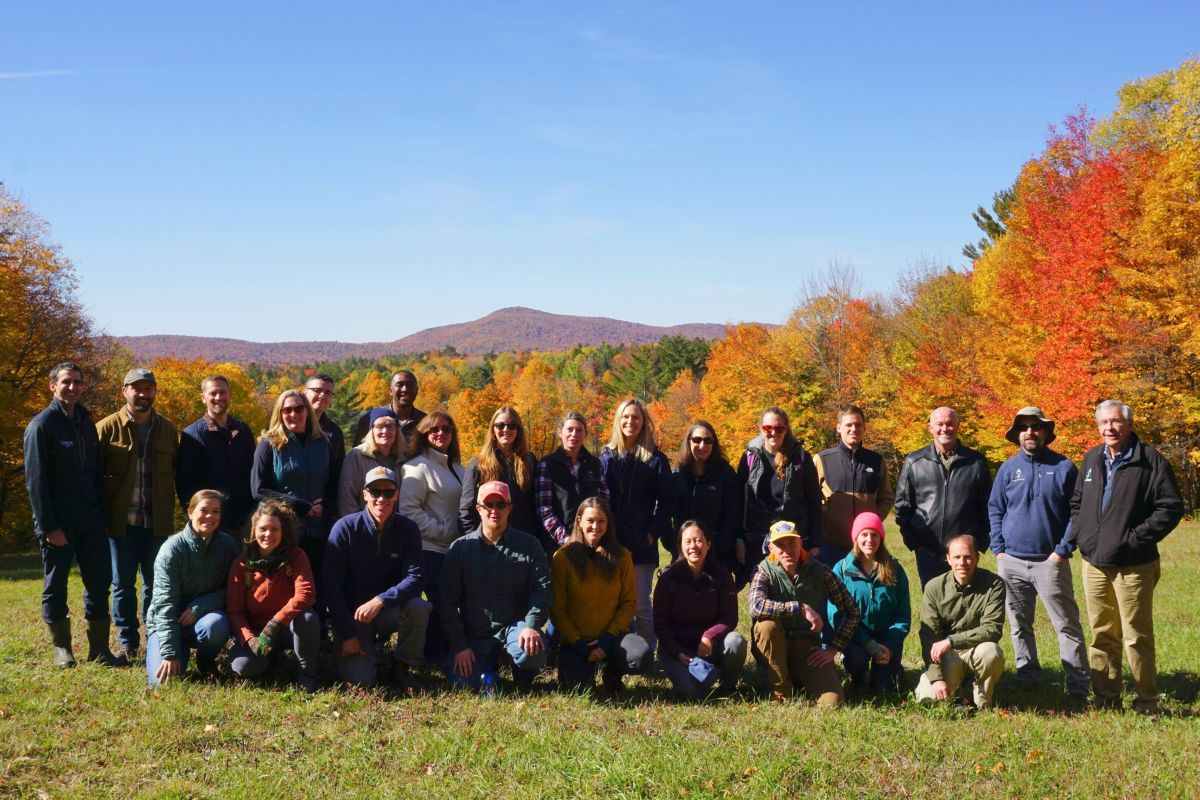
(505, 330)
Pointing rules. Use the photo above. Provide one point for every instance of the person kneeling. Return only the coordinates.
(695, 617)
(788, 588)
(962, 620)
(187, 606)
(595, 597)
(372, 582)
(495, 594)
(270, 590)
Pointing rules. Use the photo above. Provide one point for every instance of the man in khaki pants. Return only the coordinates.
(962, 620)
(1125, 502)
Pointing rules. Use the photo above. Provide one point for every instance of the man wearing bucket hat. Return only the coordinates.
(138, 448)
(372, 583)
(1030, 512)
(787, 594)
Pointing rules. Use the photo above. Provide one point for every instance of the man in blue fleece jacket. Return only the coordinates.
(1030, 512)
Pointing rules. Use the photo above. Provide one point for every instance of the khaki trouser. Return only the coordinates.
(1120, 607)
(787, 664)
(984, 661)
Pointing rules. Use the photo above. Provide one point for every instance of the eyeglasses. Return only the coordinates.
(506, 426)
(319, 392)
(388, 493)
(1036, 427)
(773, 429)
(441, 429)
(701, 440)
(293, 409)
(495, 506)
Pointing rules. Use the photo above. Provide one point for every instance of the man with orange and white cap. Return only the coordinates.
(789, 590)
(495, 592)
(879, 587)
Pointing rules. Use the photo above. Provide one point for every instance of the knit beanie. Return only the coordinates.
(867, 520)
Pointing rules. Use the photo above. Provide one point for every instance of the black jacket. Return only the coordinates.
(559, 493)
(217, 459)
(933, 505)
(641, 497)
(715, 499)
(523, 517)
(1144, 507)
(62, 471)
(801, 494)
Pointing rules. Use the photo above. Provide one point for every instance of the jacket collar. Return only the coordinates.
(81, 412)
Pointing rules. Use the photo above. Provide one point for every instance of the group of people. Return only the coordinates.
(396, 555)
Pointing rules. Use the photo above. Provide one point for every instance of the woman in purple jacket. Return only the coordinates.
(695, 614)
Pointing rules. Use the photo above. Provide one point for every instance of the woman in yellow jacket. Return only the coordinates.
(595, 596)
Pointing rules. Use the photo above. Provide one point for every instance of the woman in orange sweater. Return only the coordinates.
(595, 596)
(270, 588)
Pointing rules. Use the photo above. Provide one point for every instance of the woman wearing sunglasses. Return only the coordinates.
(707, 490)
(779, 483)
(293, 463)
(381, 448)
(638, 476)
(430, 489)
(505, 457)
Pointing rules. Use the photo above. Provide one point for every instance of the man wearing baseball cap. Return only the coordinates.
(1030, 512)
(495, 589)
(789, 590)
(137, 449)
(371, 578)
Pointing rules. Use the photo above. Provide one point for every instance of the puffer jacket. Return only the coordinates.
(189, 572)
(430, 490)
(934, 505)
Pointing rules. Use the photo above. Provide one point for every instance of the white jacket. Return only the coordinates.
(429, 493)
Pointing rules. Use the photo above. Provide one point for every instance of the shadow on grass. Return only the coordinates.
(21, 568)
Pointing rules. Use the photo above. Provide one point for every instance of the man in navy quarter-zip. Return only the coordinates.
(1125, 504)
(1030, 511)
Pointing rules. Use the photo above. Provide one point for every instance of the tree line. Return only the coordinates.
(1085, 286)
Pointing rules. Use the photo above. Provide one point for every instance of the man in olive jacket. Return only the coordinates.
(1126, 502)
(962, 620)
(138, 448)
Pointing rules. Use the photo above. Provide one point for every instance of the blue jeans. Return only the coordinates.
(132, 553)
(729, 654)
(930, 564)
(306, 632)
(884, 677)
(87, 546)
(525, 666)
(207, 635)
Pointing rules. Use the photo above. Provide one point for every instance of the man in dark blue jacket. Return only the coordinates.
(372, 583)
(1030, 512)
(217, 452)
(64, 482)
(1125, 504)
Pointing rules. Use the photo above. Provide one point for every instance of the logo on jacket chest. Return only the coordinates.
(1088, 478)
(1018, 475)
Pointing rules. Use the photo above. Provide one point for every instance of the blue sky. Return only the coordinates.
(360, 172)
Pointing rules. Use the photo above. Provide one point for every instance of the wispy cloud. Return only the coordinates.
(41, 73)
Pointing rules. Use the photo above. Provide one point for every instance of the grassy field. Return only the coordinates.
(91, 732)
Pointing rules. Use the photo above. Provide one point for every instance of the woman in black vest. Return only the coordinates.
(779, 483)
(566, 477)
(707, 490)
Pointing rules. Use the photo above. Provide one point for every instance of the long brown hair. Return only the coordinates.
(885, 565)
(490, 455)
(418, 442)
(686, 459)
(783, 455)
(607, 554)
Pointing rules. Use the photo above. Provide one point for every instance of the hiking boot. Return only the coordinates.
(402, 676)
(60, 637)
(98, 651)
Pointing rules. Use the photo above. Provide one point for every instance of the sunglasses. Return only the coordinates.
(293, 409)
(499, 505)
(701, 440)
(441, 429)
(388, 493)
(1032, 426)
(507, 426)
(773, 429)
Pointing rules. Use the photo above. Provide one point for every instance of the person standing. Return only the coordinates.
(138, 448)
(942, 493)
(853, 480)
(403, 391)
(567, 477)
(707, 491)
(1125, 504)
(319, 391)
(1030, 511)
(217, 452)
(64, 483)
